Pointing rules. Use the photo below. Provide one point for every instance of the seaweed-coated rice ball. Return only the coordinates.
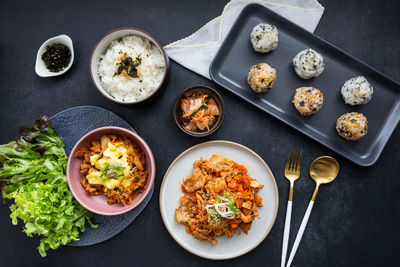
(264, 38)
(352, 126)
(261, 77)
(308, 100)
(308, 64)
(357, 91)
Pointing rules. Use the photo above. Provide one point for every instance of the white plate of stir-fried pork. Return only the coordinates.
(219, 200)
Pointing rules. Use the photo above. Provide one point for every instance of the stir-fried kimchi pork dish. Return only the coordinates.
(113, 166)
(219, 198)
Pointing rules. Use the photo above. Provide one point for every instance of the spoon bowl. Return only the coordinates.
(324, 169)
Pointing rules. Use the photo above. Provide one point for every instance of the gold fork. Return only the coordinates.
(292, 173)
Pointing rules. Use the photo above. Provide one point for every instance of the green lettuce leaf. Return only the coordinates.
(34, 171)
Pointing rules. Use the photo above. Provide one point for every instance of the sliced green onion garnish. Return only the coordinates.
(115, 175)
(117, 167)
(112, 175)
(229, 197)
(233, 208)
(218, 199)
(214, 215)
(104, 174)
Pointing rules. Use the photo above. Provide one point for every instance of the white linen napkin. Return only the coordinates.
(196, 51)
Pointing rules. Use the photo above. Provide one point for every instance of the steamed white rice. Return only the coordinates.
(150, 71)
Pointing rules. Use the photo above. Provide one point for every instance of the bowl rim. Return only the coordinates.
(150, 165)
(217, 124)
(149, 37)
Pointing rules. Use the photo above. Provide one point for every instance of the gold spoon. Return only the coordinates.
(323, 170)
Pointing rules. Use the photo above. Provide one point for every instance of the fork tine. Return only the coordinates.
(298, 163)
(289, 160)
(301, 152)
(294, 160)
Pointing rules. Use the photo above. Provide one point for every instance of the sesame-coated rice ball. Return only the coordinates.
(352, 126)
(264, 38)
(308, 100)
(261, 77)
(357, 91)
(308, 64)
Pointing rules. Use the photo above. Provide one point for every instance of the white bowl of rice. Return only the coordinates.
(128, 65)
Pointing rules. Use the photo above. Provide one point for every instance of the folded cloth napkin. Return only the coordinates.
(196, 51)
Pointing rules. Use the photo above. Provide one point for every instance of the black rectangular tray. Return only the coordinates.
(232, 62)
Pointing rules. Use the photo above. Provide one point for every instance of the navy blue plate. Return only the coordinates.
(71, 125)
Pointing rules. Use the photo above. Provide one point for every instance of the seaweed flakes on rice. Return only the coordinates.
(131, 69)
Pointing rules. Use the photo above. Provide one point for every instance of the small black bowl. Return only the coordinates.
(188, 92)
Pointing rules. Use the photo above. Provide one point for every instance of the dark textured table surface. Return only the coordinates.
(355, 221)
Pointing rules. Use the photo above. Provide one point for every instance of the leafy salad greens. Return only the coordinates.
(34, 175)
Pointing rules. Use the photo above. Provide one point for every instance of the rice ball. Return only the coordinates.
(308, 100)
(352, 126)
(357, 91)
(264, 38)
(261, 77)
(308, 64)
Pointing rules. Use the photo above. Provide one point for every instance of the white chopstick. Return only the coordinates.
(300, 232)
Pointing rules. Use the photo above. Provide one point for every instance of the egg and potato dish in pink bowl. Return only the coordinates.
(110, 170)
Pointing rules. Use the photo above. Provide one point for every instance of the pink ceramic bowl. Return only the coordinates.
(98, 204)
